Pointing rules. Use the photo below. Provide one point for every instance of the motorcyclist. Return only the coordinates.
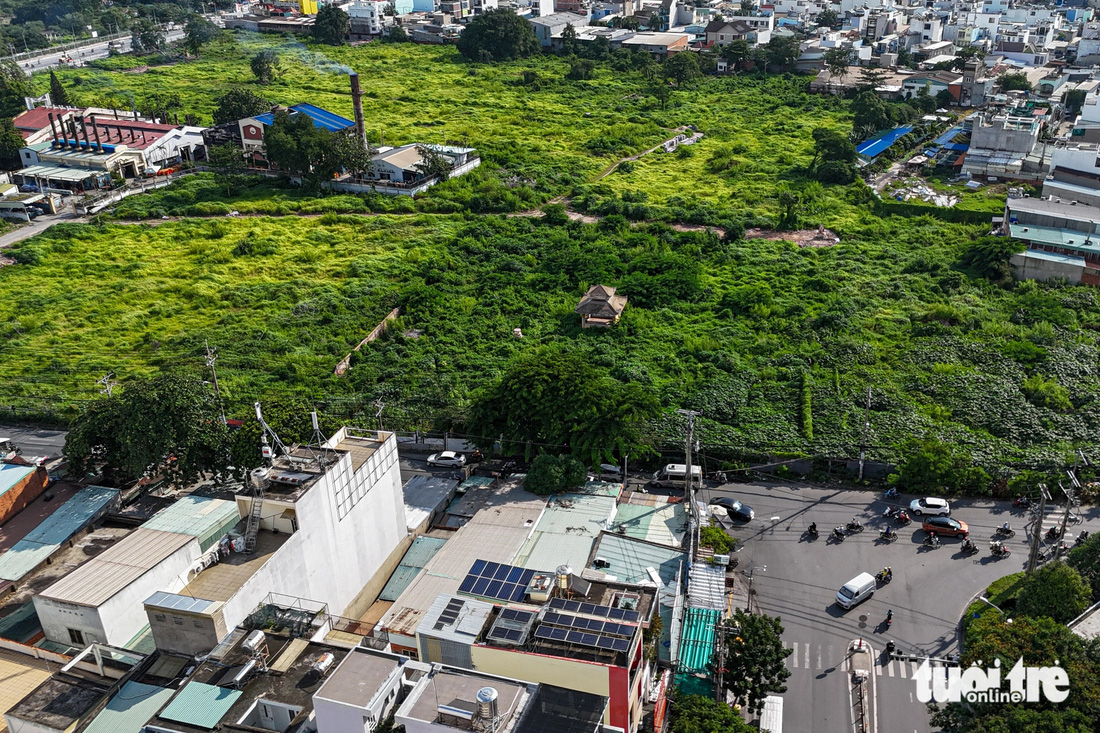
(903, 517)
(888, 532)
(813, 528)
(838, 532)
(932, 539)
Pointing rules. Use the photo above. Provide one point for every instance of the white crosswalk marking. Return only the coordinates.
(819, 657)
(915, 668)
(901, 669)
(807, 659)
(794, 655)
(890, 667)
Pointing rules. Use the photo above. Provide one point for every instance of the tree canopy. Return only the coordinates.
(698, 714)
(169, 424)
(1014, 80)
(331, 26)
(14, 86)
(558, 398)
(146, 36)
(11, 142)
(1055, 590)
(265, 65)
(682, 68)
(550, 474)
(753, 658)
(934, 467)
(300, 148)
(1085, 559)
(498, 35)
(58, 95)
(198, 32)
(239, 103)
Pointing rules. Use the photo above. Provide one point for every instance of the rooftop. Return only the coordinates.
(99, 579)
(20, 674)
(11, 475)
(220, 582)
(416, 557)
(558, 710)
(321, 117)
(38, 118)
(359, 677)
(657, 520)
(447, 696)
(424, 496)
(1079, 212)
(1067, 238)
(67, 518)
(566, 531)
(61, 700)
(204, 518)
(210, 696)
(130, 708)
(628, 559)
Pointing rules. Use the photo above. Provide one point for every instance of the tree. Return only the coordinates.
(830, 145)
(331, 25)
(870, 114)
(265, 65)
(237, 104)
(1085, 559)
(550, 474)
(198, 32)
(170, 424)
(828, 18)
(146, 36)
(554, 396)
(698, 714)
(581, 70)
(1014, 80)
(870, 79)
(752, 658)
(432, 162)
(58, 96)
(836, 61)
(736, 52)
(1055, 590)
(944, 98)
(569, 40)
(1074, 100)
(683, 68)
(396, 34)
(905, 58)
(782, 51)
(14, 87)
(661, 91)
(229, 161)
(299, 148)
(930, 465)
(990, 257)
(498, 35)
(790, 202)
(11, 142)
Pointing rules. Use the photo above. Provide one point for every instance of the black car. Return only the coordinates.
(734, 508)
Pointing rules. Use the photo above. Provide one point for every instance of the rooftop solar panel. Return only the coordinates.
(496, 580)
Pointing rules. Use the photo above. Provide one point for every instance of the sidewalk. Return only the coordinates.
(861, 689)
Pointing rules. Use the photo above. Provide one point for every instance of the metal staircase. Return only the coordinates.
(253, 527)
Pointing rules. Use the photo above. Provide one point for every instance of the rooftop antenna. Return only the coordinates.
(266, 449)
(320, 441)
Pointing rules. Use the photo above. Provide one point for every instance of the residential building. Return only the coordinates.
(658, 45)
(368, 17)
(546, 26)
(1000, 143)
(721, 32)
(600, 307)
(20, 484)
(1059, 237)
(402, 169)
(933, 82)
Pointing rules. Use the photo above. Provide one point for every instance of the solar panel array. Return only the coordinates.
(506, 583)
(591, 609)
(609, 643)
(450, 614)
(511, 625)
(589, 624)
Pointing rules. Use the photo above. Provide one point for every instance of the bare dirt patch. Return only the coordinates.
(819, 237)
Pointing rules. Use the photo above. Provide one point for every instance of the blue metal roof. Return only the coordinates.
(321, 117)
(200, 705)
(416, 557)
(877, 145)
(11, 475)
(130, 709)
(56, 529)
(949, 135)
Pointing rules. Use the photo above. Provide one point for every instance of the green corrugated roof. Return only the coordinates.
(697, 639)
(566, 532)
(416, 557)
(142, 642)
(628, 558)
(11, 475)
(200, 705)
(130, 709)
(202, 517)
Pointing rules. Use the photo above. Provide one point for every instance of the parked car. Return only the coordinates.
(930, 505)
(734, 508)
(447, 459)
(945, 526)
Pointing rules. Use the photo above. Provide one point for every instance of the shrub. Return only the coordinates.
(716, 538)
(551, 474)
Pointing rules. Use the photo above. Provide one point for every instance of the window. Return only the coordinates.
(177, 621)
(76, 636)
(158, 616)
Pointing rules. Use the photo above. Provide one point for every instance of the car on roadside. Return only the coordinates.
(734, 508)
(447, 459)
(945, 526)
(930, 505)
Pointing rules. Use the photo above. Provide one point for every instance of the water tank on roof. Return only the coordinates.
(487, 704)
(254, 641)
(323, 663)
(563, 572)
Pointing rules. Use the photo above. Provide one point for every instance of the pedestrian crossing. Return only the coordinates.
(817, 657)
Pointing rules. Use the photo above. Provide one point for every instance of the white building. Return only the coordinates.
(101, 601)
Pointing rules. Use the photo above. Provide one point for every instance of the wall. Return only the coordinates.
(331, 558)
(15, 499)
(1032, 268)
(996, 137)
(568, 673)
(122, 616)
(186, 637)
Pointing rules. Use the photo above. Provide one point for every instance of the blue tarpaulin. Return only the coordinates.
(877, 145)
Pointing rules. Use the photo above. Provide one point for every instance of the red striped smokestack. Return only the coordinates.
(357, 103)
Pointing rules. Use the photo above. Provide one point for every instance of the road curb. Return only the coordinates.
(861, 678)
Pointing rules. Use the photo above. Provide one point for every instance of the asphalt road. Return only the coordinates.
(929, 591)
(84, 54)
(35, 441)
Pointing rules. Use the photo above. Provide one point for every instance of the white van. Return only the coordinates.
(856, 590)
(674, 476)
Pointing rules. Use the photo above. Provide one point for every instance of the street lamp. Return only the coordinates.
(990, 603)
(762, 568)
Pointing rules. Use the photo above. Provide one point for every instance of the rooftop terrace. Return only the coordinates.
(220, 582)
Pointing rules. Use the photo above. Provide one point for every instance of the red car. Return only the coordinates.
(945, 526)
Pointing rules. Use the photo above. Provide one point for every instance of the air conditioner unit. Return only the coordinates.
(721, 559)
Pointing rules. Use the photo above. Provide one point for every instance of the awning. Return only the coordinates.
(57, 173)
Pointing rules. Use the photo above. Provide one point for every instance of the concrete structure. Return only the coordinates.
(1039, 265)
(20, 484)
(546, 26)
(659, 45)
(185, 625)
(999, 144)
(1063, 239)
(101, 601)
(362, 691)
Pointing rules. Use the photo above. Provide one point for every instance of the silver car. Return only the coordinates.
(930, 505)
(447, 459)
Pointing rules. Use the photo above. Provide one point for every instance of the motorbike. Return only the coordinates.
(811, 531)
(1005, 532)
(854, 526)
(890, 512)
(889, 617)
(884, 576)
(1052, 534)
(888, 535)
(998, 549)
(932, 541)
(891, 494)
(903, 518)
(969, 548)
(1081, 538)
(838, 533)
(1021, 502)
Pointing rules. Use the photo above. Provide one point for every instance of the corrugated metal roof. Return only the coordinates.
(707, 586)
(130, 709)
(697, 641)
(53, 531)
(401, 579)
(663, 524)
(423, 549)
(97, 580)
(545, 551)
(566, 531)
(474, 482)
(879, 143)
(205, 518)
(11, 475)
(628, 558)
(464, 629)
(424, 495)
(200, 705)
(321, 117)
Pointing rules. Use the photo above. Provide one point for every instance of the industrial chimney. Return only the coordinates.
(53, 129)
(95, 131)
(357, 103)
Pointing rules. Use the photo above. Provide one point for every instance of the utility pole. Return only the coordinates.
(211, 357)
(1037, 530)
(381, 405)
(866, 427)
(108, 382)
(1065, 518)
(695, 521)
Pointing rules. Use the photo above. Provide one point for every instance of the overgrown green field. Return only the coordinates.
(748, 332)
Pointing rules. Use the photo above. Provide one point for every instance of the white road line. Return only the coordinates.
(901, 669)
(807, 657)
(794, 655)
(890, 667)
(915, 668)
(819, 657)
